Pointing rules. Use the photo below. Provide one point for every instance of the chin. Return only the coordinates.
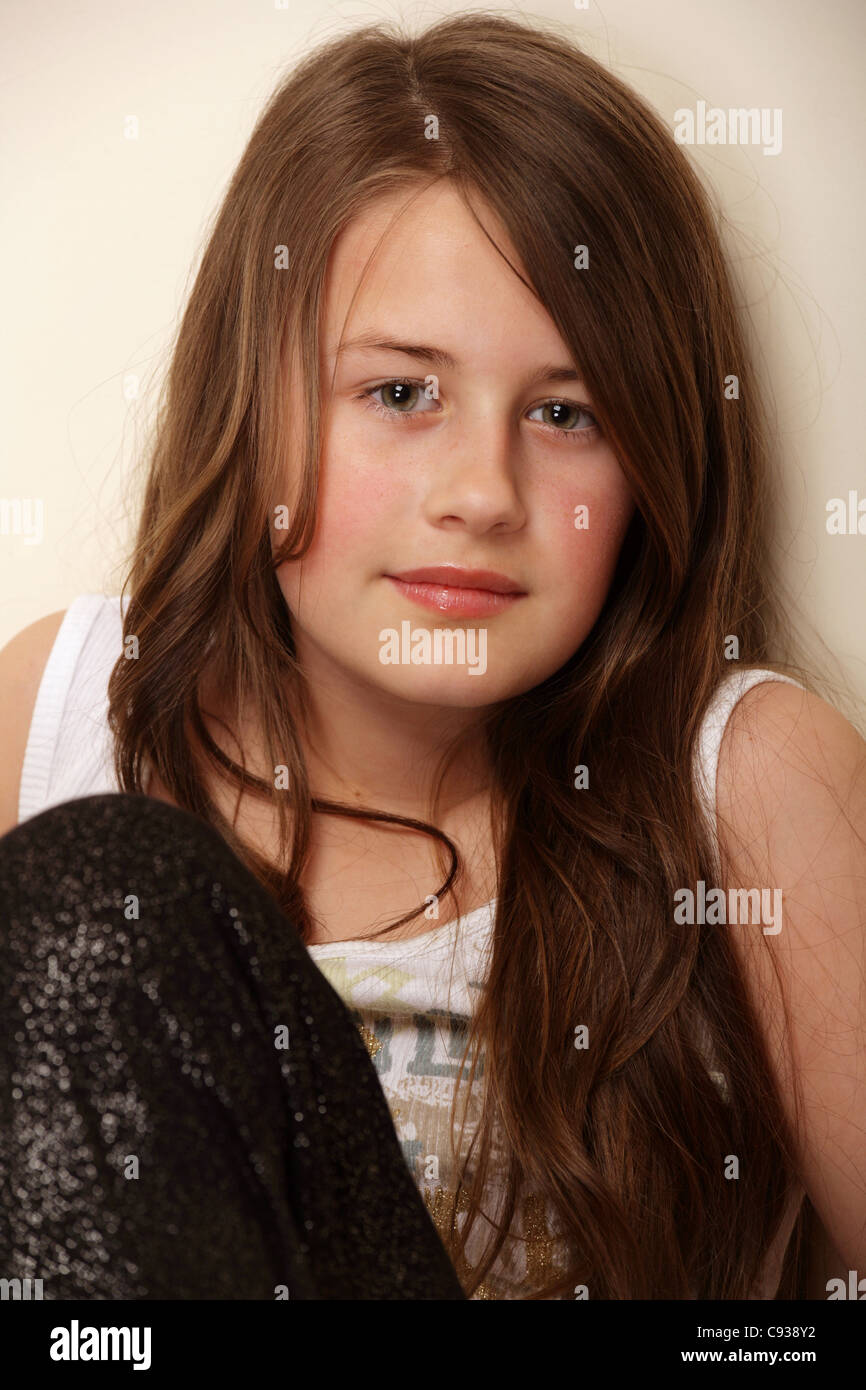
(445, 689)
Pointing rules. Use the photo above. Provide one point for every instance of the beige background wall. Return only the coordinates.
(101, 235)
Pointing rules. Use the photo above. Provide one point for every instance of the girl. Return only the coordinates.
(450, 669)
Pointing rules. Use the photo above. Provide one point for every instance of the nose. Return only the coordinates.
(473, 479)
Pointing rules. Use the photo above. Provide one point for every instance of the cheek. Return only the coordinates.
(584, 525)
(355, 491)
(355, 506)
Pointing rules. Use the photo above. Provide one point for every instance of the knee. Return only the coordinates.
(110, 901)
(96, 866)
(105, 819)
(108, 832)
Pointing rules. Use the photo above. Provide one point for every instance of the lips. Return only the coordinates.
(454, 577)
(458, 592)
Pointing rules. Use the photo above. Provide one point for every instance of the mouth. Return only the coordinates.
(450, 589)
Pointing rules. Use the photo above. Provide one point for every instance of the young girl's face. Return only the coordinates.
(473, 466)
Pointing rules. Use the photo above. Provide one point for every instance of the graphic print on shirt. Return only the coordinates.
(417, 1054)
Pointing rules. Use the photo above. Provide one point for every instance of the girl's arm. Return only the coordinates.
(791, 797)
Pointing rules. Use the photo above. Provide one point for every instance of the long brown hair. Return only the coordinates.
(625, 1139)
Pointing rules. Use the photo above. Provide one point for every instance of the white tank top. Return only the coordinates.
(410, 999)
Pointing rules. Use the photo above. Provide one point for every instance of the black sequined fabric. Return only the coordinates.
(157, 1138)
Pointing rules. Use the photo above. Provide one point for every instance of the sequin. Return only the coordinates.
(539, 1243)
(441, 1204)
(154, 1143)
(371, 1042)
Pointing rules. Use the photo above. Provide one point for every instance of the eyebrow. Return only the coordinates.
(547, 372)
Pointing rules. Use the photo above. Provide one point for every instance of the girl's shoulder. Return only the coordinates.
(67, 748)
(730, 695)
(22, 665)
(737, 684)
(790, 774)
(777, 740)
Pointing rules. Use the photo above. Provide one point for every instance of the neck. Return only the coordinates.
(365, 746)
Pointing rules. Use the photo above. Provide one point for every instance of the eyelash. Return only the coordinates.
(402, 416)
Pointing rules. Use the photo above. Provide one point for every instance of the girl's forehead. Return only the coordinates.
(402, 242)
(423, 271)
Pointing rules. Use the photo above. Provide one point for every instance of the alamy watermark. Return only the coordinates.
(444, 646)
(846, 520)
(738, 125)
(737, 906)
(855, 1287)
(22, 516)
(21, 1289)
(77, 1343)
